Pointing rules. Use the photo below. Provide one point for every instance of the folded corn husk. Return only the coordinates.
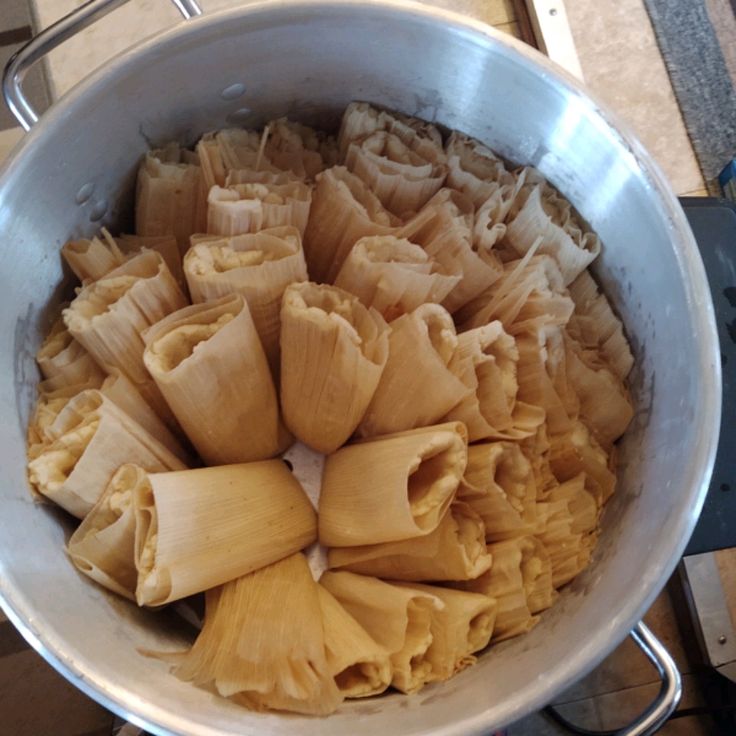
(477, 172)
(166, 245)
(259, 266)
(543, 377)
(361, 119)
(196, 529)
(102, 546)
(566, 526)
(536, 449)
(343, 211)
(171, 195)
(209, 365)
(391, 488)
(396, 617)
(393, 275)
(333, 352)
(403, 174)
(455, 550)
(361, 667)
(248, 208)
(520, 580)
(108, 317)
(249, 650)
(460, 628)
(444, 229)
(92, 259)
(578, 452)
(299, 149)
(598, 327)
(499, 486)
(64, 360)
(605, 407)
(417, 387)
(485, 361)
(90, 439)
(231, 149)
(539, 211)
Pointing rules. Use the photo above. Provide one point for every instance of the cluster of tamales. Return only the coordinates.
(409, 306)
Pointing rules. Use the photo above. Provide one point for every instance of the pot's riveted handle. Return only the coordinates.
(52, 37)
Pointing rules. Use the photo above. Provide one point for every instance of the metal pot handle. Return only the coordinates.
(52, 37)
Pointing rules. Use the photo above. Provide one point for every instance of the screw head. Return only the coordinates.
(553, 11)
(722, 639)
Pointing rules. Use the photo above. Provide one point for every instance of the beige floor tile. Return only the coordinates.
(626, 666)
(623, 67)
(35, 701)
(8, 139)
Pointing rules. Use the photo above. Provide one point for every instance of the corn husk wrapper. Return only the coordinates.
(166, 245)
(361, 119)
(598, 327)
(536, 449)
(567, 524)
(578, 452)
(455, 550)
(404, 176)
(393, 275)
(248, 208)
(91, 438)
(361, 667)
(343, 211)
(605, 406)
(299, 149)
(477, 172)
(92, 259)
(109, 316)
(391, 488)
(485, 361)
(417, 387)
(250, 176)
(124, 394)
(102, 546)
(520, 580)
(170, 195)
(196, 529)
(462, 627)
(444, 229)
(229, 149)
(258, 266)
(543, 377)
(64, 360)
(208, 363)
(249, 650)
(499, 486)
(333, 352)
(396, 617)
(539, 211)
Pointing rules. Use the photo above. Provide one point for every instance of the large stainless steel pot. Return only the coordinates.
(74, 172)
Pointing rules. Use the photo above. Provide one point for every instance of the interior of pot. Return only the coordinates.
(309, 61)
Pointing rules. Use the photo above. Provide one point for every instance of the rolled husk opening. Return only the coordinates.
(343, 210)
(249, 650)
(499, 486)
(208, 363)
(102, 546)
(333, 352)
(248, 208)
(460, 628)
(109, 316)
(403, 175)
(91, 439)
(258, 266)
(417, 387)
(391, 488)
(166, 245)
(540, 211)
(396, 617)
(361, 667)
(299, 149)
(64, 360)
(485, 361)
(455, 550)
(393, 275)
(196, 529)
(170, 195)
(92, 259)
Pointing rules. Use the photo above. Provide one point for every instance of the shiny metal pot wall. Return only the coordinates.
(74, 172)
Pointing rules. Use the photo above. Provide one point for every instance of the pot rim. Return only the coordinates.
(668, 551)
